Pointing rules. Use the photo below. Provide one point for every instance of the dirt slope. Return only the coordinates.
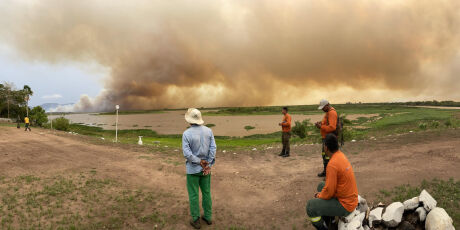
(255, 189)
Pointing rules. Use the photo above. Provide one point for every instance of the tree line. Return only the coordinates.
(14, 104)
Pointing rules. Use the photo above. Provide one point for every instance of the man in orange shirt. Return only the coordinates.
(338, 196)
(286, 128)
(327, 125)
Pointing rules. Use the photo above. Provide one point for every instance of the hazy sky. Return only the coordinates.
(52, 83)
(146, 54)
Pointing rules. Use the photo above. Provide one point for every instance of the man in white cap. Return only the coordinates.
(326, 126)
(199, 149)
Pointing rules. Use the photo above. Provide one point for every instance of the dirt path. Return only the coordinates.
(255, 189)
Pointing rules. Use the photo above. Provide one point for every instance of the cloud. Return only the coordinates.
(240, 53)
(52, 96)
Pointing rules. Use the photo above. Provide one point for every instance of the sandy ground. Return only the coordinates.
(172, 122)
(255, 189)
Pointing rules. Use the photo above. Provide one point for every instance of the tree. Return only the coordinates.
(38, 116)
(8, 92)
(27, 92)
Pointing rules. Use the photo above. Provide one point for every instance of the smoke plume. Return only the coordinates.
(183, 53)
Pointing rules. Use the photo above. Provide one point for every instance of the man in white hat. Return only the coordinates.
(199, 149)
(326, 126)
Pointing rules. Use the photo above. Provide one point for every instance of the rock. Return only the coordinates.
(375, 216)
(438, 219)
(365, 227)
(351, 216)
(393, 214)
(411, 204)
(353, 225)
(405, 226)
(428, 201)
(412, 217)
(421, 212)
(362, 204)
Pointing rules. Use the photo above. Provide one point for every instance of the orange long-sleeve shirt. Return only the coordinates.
(329, 122)
(340, 182)
(286, 124)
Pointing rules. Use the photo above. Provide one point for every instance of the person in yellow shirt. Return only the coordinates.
(338, 196)
(26, 120)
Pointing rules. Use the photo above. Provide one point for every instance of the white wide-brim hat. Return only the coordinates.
(323, 103)
(193, 116)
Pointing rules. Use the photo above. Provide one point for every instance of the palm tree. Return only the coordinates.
(27, 91)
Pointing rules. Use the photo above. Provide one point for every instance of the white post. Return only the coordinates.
(117, 107)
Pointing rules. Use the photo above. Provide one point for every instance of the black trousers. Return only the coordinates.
(325, 157)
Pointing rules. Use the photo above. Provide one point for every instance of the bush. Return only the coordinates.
(300, 129)
(435, 124)
(61, 123)
(248, 127)
(422, 126)
(38, 116)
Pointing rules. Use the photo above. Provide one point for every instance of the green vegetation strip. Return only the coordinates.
(388, 120)
(77, 202)
(446, 193)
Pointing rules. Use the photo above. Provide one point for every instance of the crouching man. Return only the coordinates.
(199, 149)
(338, 196)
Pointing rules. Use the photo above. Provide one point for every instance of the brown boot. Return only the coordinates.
(208, 222)
(195, 224)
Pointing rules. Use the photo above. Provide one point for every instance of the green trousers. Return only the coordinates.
(194, 183)
(318, 208)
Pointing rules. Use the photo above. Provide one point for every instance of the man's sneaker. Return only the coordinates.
(209, 222)
(195, 224)
(282, 154)
(286, 155)
(322, 174)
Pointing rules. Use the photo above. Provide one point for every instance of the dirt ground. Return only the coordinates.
(172, 122)
(254, 189)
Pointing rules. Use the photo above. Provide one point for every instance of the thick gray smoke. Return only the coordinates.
(183, 53)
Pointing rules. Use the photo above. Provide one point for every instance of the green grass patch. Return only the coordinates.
(445, 192)
(78, 202)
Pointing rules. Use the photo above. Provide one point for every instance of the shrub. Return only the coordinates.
(435, 124)
(248, 127)
(422, 126)
(448, 122)
(300, 129)
(38, 116)
(61, 123)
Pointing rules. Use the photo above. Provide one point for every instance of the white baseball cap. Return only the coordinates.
(323, 103)
(193, 116)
